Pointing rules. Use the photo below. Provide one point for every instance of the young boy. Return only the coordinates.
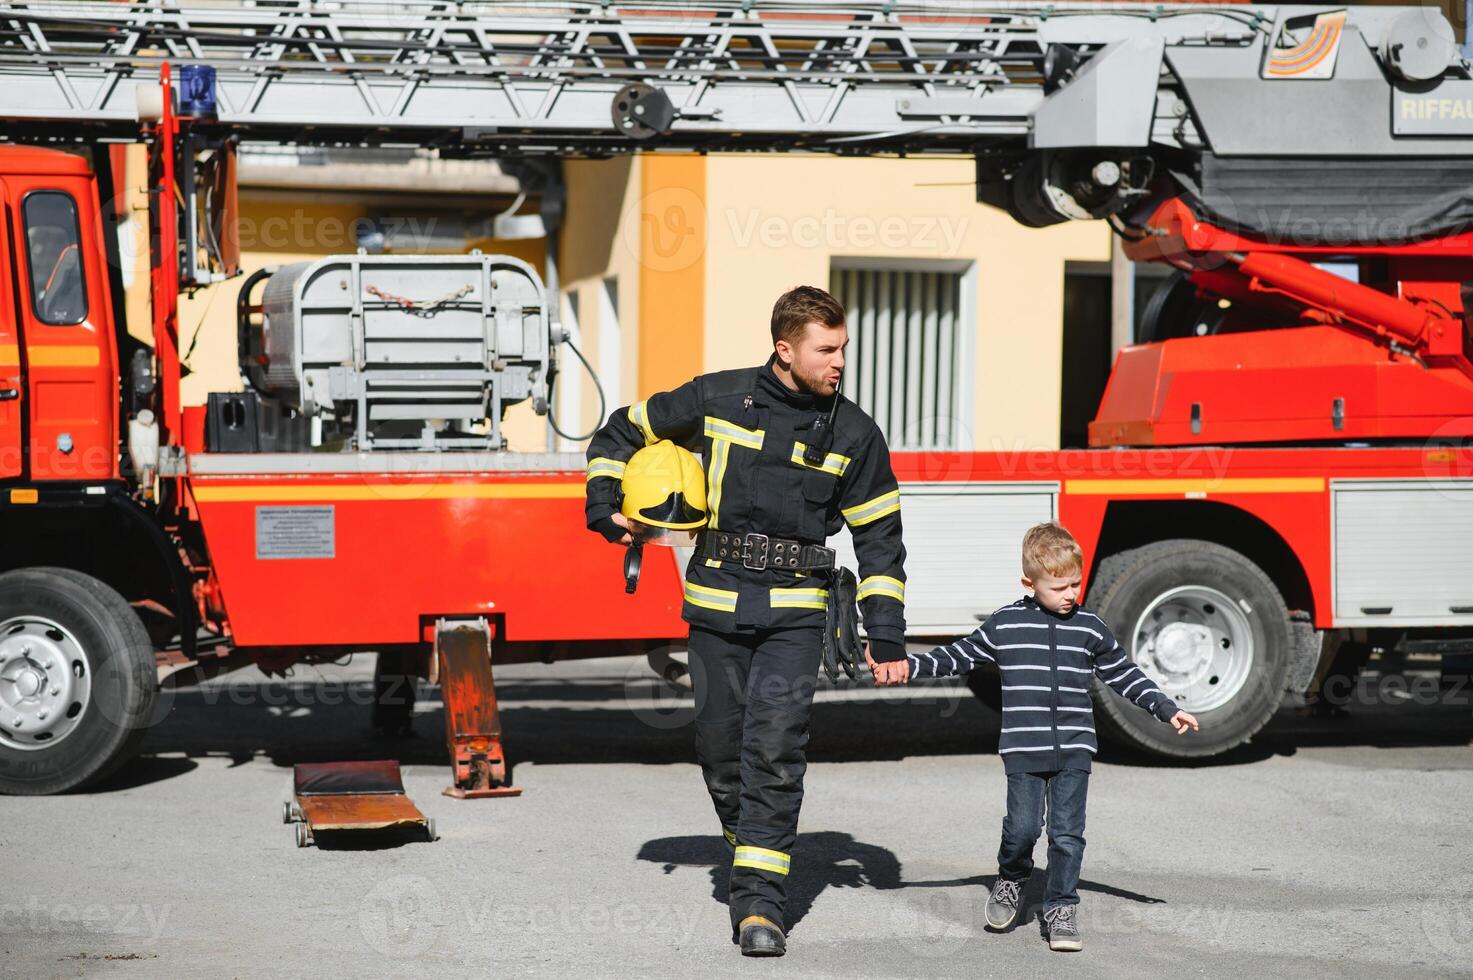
(1046, 645)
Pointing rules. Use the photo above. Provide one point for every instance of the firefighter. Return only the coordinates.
(788, 461)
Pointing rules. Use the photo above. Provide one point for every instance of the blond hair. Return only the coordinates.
(1049, 549)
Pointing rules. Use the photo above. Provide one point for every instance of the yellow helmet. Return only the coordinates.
(664, 487)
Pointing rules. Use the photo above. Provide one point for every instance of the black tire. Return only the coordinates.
(119, 659)
(1123, 590)
(1175, 310)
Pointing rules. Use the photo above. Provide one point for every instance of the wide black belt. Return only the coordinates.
(759, 551)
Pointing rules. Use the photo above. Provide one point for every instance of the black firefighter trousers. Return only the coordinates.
(753, 694)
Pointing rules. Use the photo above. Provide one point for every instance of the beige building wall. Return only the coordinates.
(774, 222)
(598, 247)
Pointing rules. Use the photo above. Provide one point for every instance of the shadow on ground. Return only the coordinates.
(609, 718)
(832, 859)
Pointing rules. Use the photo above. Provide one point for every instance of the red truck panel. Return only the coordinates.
(1287, 489)
(405, 547)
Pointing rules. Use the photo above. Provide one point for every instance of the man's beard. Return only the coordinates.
(811, 384)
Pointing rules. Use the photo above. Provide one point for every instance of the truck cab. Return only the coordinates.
(58, 356)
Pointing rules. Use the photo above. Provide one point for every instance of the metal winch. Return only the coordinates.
(407, 352)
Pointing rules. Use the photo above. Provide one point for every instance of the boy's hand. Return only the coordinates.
(1182, 721)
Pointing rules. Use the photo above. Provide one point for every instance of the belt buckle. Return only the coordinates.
(751, 558)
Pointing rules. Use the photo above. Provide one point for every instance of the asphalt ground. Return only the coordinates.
(1325, 848)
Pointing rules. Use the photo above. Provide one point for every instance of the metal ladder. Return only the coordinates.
(862, 77)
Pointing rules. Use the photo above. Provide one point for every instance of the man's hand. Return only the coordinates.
(890, 673)
(614, 528)
(1182, 721)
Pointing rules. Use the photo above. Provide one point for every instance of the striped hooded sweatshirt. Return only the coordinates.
(1046, 661)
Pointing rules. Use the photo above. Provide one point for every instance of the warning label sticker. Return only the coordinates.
(294, 532)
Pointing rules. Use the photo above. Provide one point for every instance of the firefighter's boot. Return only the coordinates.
(761, 937)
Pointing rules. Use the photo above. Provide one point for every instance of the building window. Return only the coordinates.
(58, 293)
(909, 363)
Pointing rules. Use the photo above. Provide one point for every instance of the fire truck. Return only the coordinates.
(1281, 469)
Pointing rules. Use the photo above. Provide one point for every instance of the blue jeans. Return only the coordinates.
(1065, 792)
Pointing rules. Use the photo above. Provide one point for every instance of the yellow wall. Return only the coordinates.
(600, 241)
(672, 301)
(775, 222)
(133, 244)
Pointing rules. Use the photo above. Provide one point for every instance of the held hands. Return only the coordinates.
(1182, 721)
(888, 674)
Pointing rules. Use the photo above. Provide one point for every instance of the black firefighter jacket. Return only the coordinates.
(749, 429)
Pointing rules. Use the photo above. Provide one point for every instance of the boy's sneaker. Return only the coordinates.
(1063, 933)
(1002, 904)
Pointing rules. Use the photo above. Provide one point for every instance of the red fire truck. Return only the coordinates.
(1282, 470)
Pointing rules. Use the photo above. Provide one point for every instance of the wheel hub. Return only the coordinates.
(1197, 644)
(1183, 648)
(28, 684)
(45, 683)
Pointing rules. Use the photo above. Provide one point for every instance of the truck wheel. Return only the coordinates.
(1209, 627)
(78, 681)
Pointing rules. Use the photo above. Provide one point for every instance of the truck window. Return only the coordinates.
(53, 240)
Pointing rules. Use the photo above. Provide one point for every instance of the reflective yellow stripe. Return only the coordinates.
(51, 355)
(707, 598)
(832, 463)
(639, 414)
(798, 598)
(722, 435)
(605, 467)
(762, 859)
(884, 585)
(724, 431)
(1197, 488)
(708, 591)
(730, 837)
(872, 510)
(717, 607)
(719, 452)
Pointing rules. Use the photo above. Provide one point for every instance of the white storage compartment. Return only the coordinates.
(964, 544)
(1403, 552)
